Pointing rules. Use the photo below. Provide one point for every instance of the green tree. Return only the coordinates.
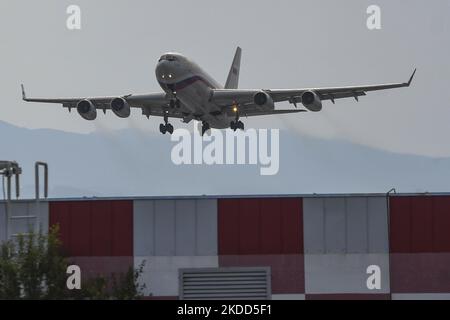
(34, 267)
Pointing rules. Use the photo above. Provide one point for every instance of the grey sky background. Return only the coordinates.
(286, 44)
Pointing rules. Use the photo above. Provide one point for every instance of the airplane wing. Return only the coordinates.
(152, 104)
(252, 111)
(229, 98)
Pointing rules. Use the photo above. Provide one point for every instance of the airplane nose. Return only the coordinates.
(164, 71)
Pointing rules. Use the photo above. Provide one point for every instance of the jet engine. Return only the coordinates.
(311, 101)
(87, 110)
(120, 107)
(263, 101)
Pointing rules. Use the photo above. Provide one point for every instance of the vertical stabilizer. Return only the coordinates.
(233, 76)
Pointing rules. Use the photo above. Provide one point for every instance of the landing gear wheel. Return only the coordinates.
(166, 127)
(205, 127)
(234, 125)
(162, 128)
(169, 128)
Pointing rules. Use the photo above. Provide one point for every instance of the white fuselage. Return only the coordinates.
(192, 86)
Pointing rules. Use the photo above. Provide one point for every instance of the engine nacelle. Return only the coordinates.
(87, 110)
(263, 100)
(120, 107)
(311, 101)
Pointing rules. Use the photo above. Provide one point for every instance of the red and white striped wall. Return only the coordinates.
(420, 247)
(317, 247)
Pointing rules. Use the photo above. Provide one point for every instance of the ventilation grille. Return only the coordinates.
(225, 283)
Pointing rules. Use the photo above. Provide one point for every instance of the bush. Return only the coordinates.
(34, 267)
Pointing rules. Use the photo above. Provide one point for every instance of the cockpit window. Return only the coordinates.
(168, 58)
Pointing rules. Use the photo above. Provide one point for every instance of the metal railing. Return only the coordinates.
(9, 169)
(36, 177)
(12, 168)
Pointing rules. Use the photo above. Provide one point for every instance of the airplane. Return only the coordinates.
(190, 93)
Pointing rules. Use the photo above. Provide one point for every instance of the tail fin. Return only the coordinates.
(233, 75)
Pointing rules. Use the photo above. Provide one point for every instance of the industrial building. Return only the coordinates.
(362, 246)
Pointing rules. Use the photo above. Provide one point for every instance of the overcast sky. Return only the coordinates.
(286, 44)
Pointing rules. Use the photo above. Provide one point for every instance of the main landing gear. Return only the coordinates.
(166, 126)
(234, 125)
(237, 124)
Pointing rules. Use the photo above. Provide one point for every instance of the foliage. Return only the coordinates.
(34, 267)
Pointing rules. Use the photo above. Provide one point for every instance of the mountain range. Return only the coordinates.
(130, 162)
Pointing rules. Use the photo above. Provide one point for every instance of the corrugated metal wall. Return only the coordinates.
(420, 245)
(171, 235)
(316, 247)
(175, 228)
(264, 232)
(95, 228)
(420, 224)
(260, 226)
(97, 235)
(346, 225)
(24, 208)
(343, 237)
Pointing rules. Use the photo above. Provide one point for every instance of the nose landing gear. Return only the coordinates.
(174, 102)
(166, 126)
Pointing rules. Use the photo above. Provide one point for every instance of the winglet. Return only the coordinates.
(24, 96)
(412, 77)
